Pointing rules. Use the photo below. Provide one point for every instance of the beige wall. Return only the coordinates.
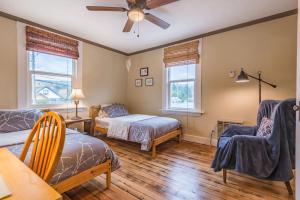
(8, 63)
(269, 47)
(104, 74)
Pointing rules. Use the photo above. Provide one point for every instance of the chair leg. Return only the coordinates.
(224, 175)
(289, 187)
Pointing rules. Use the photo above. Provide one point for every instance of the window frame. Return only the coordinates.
(24, 94)
(169, 82)
(167, 91)
(197, 111)
(30, 86)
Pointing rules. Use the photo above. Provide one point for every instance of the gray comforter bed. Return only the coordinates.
(141, 129)
(80, 152)
(145, 131)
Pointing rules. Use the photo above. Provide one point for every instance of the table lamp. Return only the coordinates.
(76, 95)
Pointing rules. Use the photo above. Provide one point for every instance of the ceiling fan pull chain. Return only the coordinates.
(138, 35)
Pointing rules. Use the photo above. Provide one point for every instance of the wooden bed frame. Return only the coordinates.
(94, 112)
(84, 176)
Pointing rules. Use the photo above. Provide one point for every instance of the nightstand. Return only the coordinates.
(87, 124)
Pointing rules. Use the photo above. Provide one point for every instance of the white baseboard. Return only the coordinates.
(200, 140)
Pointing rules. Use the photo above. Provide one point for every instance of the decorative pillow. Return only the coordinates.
(18, 120)
(265, 128)
(114, 110)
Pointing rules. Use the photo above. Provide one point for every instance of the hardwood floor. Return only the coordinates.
(180, 171)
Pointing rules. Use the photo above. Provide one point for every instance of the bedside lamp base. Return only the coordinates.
(76, 109)
(76, 118)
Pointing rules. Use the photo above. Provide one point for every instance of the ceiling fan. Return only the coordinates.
(135, 12)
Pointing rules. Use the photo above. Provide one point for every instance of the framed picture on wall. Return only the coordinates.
(138, 82)
(149, 82)
(144, 71)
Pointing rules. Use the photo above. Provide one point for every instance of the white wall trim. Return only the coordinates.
(190, 113)
(200, 139)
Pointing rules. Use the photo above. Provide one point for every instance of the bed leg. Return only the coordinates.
(153, 151)
(180, 137)
(224, 175)
(108, 176)
(289, 187)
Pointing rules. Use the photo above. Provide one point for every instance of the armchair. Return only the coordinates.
(269, 158)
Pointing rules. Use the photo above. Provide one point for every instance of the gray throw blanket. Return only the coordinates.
(271, 158)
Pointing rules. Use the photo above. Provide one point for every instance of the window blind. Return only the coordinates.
(182, 54)
(51, 43)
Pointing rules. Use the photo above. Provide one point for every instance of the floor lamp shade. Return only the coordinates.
(244, 77)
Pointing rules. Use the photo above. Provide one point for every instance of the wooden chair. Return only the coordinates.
(47, 140)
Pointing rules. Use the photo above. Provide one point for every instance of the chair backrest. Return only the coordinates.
(284, 129)
(45, 141)
(266, 109)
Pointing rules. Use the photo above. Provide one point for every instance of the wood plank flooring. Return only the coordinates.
(180, 172)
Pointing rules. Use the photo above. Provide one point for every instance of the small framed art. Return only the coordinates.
(144, 71)
(138, 82)
(149, 82)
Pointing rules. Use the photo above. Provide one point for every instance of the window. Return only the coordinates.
(49, 66)
(51, 78)
(181, 87)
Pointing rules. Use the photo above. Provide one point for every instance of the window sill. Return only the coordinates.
(61, 108)
(195, 113)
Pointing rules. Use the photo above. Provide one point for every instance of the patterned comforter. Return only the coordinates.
(146, 130)
(80, 153)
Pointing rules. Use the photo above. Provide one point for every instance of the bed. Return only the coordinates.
(147, 130)
(83, 156)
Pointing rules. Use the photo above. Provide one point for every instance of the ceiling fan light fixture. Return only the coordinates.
(136, 14)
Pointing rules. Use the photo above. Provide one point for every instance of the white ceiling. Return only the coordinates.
(187, 18)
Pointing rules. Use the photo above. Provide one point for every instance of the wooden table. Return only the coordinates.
(87, 124)
(22, 181)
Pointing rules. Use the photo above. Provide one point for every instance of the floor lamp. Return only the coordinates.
(244, 77)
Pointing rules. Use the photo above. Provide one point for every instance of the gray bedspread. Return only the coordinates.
(145, 131)
(80, 153)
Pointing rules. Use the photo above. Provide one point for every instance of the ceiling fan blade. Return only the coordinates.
(151, 4)
(105, 8)
(157, 21)
(128, 26)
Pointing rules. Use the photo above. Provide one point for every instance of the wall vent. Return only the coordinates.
(220, 127)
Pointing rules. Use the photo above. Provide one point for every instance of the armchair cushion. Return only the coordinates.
(235, 129)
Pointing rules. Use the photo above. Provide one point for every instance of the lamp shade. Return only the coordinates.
(242, 77)
(77, 94)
